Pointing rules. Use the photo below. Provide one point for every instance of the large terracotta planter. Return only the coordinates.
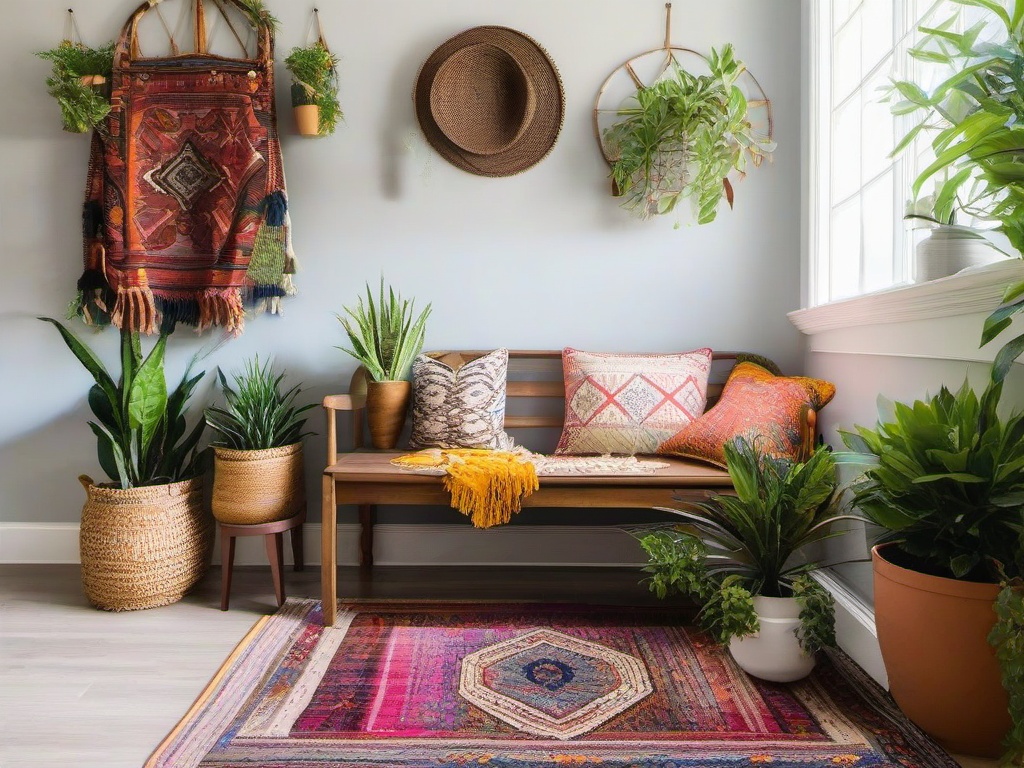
(143, 547)
(254, 487)
(774, 653)
(942, 671)
(386, 406)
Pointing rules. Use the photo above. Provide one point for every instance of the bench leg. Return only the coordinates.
(227, 564)
(367, 517)
(298, 556)
(329, 552)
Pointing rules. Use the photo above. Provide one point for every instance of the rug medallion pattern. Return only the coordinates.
(412, 685)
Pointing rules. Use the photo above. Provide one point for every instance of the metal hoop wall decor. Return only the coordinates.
(647, 68)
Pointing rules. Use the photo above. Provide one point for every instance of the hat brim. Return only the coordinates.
(542, 132)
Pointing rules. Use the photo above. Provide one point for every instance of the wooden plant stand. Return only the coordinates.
(273, 535)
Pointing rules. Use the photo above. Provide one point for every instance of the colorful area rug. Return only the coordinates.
(440, 685)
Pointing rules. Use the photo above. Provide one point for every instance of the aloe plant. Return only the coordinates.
(384, 335)
(258, 414)
(140, 427)
(730, 548)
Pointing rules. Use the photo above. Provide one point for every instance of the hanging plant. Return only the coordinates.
(78, 82)
(681, 138)
(314, 71)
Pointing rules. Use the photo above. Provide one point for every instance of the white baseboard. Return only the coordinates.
(855, 626)
(57, 543)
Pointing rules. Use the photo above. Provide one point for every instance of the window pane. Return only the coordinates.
(878, 136)
(879, 213)
(845, 237)
(841, 10)
(878, 42)
(846, 150)
(846, 60)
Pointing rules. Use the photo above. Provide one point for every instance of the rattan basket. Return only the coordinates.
(143, 547)
(253, 487)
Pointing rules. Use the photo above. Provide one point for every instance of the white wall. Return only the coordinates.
(540, 260)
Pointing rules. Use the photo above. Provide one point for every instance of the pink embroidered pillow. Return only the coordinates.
(629, 404)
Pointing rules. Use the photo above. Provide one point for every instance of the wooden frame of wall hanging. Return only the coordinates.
(759, 102)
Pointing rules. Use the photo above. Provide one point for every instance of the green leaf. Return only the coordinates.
(147, 398)
(111, 456)
(89, 361)
(1006, 357)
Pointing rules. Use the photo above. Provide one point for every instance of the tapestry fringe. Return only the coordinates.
(135, 310)
(222, 306)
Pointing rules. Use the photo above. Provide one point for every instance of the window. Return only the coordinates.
(860, 242)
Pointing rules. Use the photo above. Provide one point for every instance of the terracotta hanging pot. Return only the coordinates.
(386, 406)
(307, 119)
(942, 671)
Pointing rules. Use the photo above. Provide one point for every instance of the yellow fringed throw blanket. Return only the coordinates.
(487, 486)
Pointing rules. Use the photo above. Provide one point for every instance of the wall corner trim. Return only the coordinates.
(855, 626)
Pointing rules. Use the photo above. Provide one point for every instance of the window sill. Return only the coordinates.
(938, 320)
(965, 293)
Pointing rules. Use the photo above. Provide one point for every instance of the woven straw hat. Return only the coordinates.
(490, 101)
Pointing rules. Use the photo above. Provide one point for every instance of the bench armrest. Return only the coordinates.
(356, 405)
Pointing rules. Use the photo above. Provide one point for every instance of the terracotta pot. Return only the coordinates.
(386, 405)
(307, 119)
(774, 652)
(942, 671)
(254, 487)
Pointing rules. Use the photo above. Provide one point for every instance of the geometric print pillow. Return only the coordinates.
(459, 405)
(630, 404)
(774, 413)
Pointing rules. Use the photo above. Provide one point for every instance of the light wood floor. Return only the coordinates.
(89, 689)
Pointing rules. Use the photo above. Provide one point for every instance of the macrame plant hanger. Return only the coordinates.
(759, 102)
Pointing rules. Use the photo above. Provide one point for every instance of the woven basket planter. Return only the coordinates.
(143, 547)
(253, 487)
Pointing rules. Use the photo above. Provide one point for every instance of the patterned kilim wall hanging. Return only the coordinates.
(186, 214)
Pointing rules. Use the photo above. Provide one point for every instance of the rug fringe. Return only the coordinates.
(135, 310)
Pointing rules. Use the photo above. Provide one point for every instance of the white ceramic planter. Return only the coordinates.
(949, 249)
(774, 653)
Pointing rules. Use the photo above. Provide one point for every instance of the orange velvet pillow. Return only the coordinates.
(774, 412)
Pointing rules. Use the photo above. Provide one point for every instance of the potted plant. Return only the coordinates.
(78, 81)
(681, 137)
(314, 71)
(746, 560)
(974, 117)
(946, 485)
(145, 538)
(257, 455)
(385, 337)
(949, 247)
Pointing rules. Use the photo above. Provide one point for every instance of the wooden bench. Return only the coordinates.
(367, 479)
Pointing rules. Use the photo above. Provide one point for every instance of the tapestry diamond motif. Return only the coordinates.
(186, 175)
(550, 684)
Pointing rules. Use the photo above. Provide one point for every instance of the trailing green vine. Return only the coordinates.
(817, 615)
(681, 137)
(314, 71)
(83, 106)
(1007, 637)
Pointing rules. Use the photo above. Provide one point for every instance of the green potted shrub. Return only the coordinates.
(257, 454)
(385, 337)
(145, 537)
(681, 137)
(975, 119)
(746, 560)
(945, 482)
(78, 81)
(314, 72)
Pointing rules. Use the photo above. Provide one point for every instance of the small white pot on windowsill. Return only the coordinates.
(949, 249)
